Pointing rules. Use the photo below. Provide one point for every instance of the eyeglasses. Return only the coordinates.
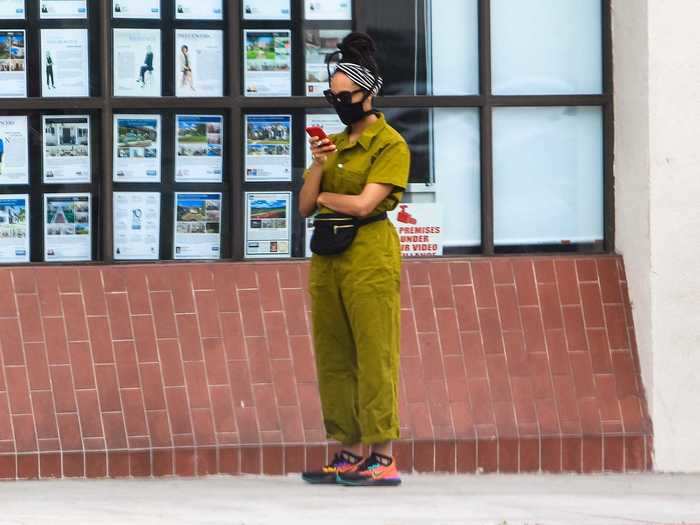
(344, 97)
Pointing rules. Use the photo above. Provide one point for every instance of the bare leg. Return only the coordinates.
(385, 449)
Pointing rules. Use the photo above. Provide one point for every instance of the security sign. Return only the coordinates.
(419, 226)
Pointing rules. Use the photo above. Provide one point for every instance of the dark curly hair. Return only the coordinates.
(359, 48)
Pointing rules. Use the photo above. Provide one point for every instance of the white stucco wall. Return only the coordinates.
(657, 198)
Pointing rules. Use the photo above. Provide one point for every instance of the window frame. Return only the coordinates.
(102, 105)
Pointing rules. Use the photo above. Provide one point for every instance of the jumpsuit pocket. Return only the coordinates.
(350, 182)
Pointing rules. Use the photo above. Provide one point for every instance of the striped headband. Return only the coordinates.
(362, 76)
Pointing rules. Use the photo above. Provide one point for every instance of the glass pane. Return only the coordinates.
(546, 47)
(548, 175)
(445, 169)
(425, 47)
(454, 32)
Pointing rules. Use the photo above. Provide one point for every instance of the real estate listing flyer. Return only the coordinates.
(65, 67)
(14, 228)
(67, 227)
(197, 226)
(136, 8)
(268, 146)
(267, 63)
(328, 9)
(199, 59)
(136, 225)
(11, 9)
(63, 9)
(137, 141)
(199, 10)
(199, 148)
(268, 225)
(14, 150)
(266, 10)
(13, 64)
(137, 63)
(66, 151)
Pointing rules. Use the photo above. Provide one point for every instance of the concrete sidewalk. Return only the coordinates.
(422, 499)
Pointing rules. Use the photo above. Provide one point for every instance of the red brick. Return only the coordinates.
(557, 353)
(30, 317)
(409, 341)
(47, 289)
(270, 298)
(617, 329)
(37, 366)
(241, 384)
(134, 412)
(592, 305)
(547, 417)
(222, 408)
(179, 283)
(28, 466)
(44, 414)
(152, 386)
(57, 350)
(304, 364)
(25, 437)
(215, 360)
(69, 432)
(289, 275)
(310, 403)
(68, 279)
(418, 273)
(118, 306)
(163, 314)
(571, 455)
(481, 403)
(74, 315)
(600, 353)
(284, 381)
(11, 342)
(544, 270)
(474, 356)
(114, 279)
(7, 308)
(502, 271)
(247, 423)
(82, 364)
(491, 330)
(449, 332)
(89, 413)
(440, 283)
(63, 388)
(609, 280)
(246, 277)
(266, 407)
(551, 306)
(498, 377)
(107, 387)
(115, 432)
(196, 381)
(295, 312)
(100, 339)
(575, 332)
(525, 282)
(259, 358)
(208, 314)
(24, 281)
(277, 335)
(583, 373)
(483, 284)
(532, 325)
(613, 454)
(137, 291)
(203, 427)
(567, 281)
(159, 428)
(93, 293)
(127, 366)
(145, 338)
(607, 396)
(189, 337)
(466, 308)
(566, 398)
(460, 273)
(18, 389)
(202, 276)
(178, 410)
(49, 466)
(251, 311)
(508, 308)
(625, 375)
(234, 342)
(487, 455)
(586, 270)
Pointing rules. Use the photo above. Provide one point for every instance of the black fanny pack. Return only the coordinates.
(334, 233)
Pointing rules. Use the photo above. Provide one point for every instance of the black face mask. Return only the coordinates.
(348, 111)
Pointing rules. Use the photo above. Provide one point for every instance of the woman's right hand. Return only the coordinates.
(320, 149)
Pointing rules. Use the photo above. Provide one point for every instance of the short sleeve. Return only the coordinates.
(391, 166)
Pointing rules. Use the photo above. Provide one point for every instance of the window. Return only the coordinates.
(142, 130)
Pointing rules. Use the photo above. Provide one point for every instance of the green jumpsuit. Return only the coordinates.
(356, 299)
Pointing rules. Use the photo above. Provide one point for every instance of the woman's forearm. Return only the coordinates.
(346, 204)
(310, 190)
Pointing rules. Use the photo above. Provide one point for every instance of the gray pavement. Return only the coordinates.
(493, 499)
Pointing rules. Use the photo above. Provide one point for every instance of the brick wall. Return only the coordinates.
(508, 364)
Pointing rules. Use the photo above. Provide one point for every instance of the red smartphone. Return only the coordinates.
(316, 132)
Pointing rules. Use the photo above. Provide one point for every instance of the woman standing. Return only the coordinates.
(186, 67)
(361, 173)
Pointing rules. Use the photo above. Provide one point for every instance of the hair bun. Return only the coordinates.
(358, 43)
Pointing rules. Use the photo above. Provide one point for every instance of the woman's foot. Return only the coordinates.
(376, 470)
(343, 462)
